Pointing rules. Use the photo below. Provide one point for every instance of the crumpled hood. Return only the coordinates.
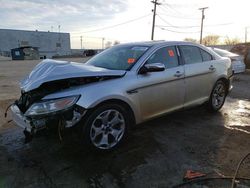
(51, 70)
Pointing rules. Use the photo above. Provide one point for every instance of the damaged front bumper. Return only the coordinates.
(68, 118)
(20, 119)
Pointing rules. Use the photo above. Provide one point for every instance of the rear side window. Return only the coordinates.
(206, 56)
(166, 55)
(191, 54)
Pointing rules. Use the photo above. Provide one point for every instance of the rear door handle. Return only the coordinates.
(212, 68)
(178, 74)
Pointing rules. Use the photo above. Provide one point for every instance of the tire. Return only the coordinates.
(105, 127)
(218, 96)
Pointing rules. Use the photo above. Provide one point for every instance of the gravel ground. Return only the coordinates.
(157, 154)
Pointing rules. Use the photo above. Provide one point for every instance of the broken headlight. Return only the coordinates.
(50, 106)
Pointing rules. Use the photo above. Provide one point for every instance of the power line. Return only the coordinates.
(215, 25)
(185, 27)
(180, 27)
(178, 17)
(112, 26)
(165, 21)
(79, 35)
(91, 38)
(174, 31)
(169, 7)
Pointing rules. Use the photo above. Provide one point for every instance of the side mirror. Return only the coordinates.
(154, 67)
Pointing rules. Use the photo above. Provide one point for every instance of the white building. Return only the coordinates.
(49, 43)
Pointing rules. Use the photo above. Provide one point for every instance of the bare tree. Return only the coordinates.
(232, 41)
(191, 40)
(108, 44)
(211, 40)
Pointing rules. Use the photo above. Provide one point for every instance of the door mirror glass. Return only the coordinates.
(154, 67)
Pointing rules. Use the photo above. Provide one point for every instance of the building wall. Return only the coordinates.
(48, 43)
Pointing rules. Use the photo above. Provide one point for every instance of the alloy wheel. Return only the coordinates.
(107, 129)
(218, 95)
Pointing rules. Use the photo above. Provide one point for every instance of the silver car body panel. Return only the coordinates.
(157, 89)
(149, 95)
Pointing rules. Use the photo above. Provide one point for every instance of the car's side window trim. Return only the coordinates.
(155, 50)
(178, 55)
(181, 60)
(181, 53)
(201, 55)
(212, 57)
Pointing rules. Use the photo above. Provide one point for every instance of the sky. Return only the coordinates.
(100, 21)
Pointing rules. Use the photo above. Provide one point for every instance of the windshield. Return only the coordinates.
(118, 57)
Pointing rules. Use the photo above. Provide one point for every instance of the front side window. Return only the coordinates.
(118, 57)
(191, 54)
(167, 56)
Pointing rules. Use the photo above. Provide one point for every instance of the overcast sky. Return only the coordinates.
(176, 19)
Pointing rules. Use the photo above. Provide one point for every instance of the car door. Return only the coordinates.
(161, 92)
(199, 74)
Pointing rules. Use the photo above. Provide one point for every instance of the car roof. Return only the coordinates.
(157, 42)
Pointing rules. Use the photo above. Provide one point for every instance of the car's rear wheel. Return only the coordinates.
(106, 126)
(218, 96)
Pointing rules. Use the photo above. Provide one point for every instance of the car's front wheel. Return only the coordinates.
(218, 96)
(106, 126)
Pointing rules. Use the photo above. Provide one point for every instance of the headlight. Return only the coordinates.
(50, 106)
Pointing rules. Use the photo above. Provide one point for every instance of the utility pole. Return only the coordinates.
(246, 34)
(59, 30)
(202, 18)
(103, 43)
(153, 24)
(81, 41)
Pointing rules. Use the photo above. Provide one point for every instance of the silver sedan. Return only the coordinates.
(120, 87)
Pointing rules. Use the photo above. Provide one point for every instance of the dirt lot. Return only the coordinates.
(157, 154)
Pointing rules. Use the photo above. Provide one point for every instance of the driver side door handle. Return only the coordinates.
(212, 68)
